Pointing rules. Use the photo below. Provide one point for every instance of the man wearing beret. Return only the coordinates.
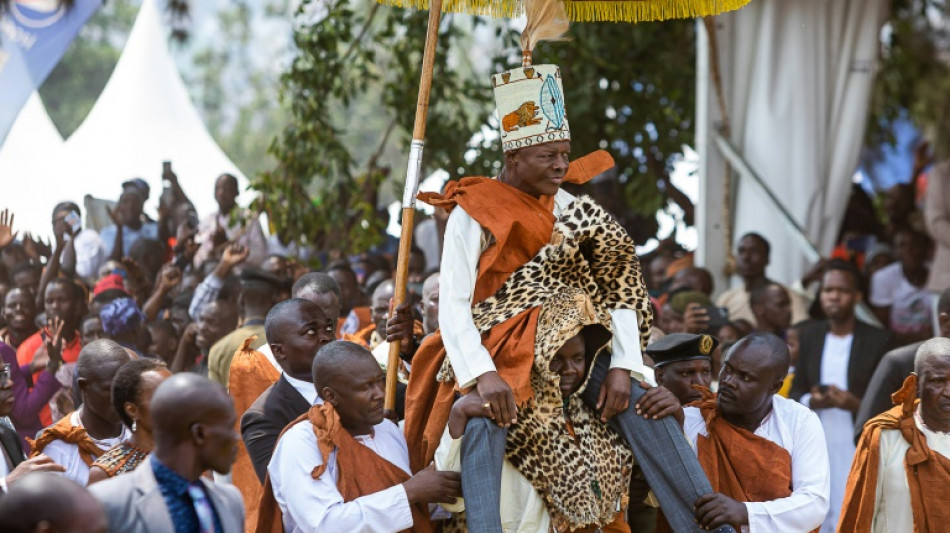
(682, 360)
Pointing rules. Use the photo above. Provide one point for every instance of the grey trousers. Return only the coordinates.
(668, 462)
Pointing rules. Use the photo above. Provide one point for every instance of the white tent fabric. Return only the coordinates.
(27, 162)
(143, 117)
(797, 80)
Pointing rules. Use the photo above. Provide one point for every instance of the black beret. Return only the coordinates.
(256, 274)
(682, 347)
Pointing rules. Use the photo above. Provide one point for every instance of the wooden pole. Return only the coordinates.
(412, 185)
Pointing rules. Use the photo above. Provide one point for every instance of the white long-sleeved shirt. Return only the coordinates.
(315, 505)
(892, 507)
(797, 429)
(465, 241)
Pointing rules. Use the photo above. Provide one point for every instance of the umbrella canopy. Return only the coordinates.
(589, 10)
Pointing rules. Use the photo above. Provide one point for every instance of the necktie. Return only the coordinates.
(202, 507)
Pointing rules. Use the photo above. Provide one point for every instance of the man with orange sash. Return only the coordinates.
(495, 227)
(765, 455)
(76, 440)
(901, 470)
(342, 466)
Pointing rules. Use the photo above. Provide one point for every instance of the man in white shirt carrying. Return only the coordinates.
(765, 455)
(343, 466)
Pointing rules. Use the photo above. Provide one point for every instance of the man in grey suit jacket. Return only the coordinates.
(193, 423)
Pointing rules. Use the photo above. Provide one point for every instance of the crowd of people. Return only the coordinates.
(186, 374)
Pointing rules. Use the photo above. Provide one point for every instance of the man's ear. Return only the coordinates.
(197, 433)
(82, 383)
(777, 384)
(277, 349)
(328, 395)
(658, 374)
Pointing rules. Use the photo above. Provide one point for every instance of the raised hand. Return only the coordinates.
(7, 235)
(54, 344)
(235, 254)
(170, 278)
(40, 463)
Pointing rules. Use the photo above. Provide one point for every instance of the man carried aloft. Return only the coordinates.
(495, 227)
(765, 455)
(585, 480)
(342, 466)
(901, 470)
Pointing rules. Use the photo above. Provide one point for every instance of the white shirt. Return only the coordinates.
(797, 429)
(315, 505)
(892, 508)
(910, 305)
(305, 388)
(838, 424)
(67, 455)
(465, 241)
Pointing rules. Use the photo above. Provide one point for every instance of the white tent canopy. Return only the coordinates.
(143, 117)
(28, 159)
(797, 79)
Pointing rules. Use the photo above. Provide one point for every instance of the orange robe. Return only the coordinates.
(520, 226)
(928, 472)
(739, 463)
(251, 375)
(361, 471)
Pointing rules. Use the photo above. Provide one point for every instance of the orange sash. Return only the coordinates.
(739, 463)
(361, 471)
(927, 471)
(65, 431)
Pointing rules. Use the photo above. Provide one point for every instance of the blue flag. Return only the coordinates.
(34, 36)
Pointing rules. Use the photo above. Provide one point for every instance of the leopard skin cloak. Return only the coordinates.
(589, 268)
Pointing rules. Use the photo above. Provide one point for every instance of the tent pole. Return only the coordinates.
(412, 185)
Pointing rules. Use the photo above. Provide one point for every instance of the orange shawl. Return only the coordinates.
(739, 463)
(927, 471)
(251, 374)
(520, 225)
(65, 431)
(361, 471)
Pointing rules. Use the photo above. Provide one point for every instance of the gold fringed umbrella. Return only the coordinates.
(588, 10)
(577, 11)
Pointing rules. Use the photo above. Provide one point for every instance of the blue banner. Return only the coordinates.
(34, 35)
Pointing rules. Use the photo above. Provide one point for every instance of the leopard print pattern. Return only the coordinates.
(589, 268)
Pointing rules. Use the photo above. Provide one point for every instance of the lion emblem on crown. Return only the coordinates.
(522, 117)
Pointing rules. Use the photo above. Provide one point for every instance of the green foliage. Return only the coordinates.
(236, 94)
(913, 79)
(357, 70)
(629, 89)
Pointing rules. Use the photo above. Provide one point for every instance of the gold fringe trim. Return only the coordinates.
(589, 11)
